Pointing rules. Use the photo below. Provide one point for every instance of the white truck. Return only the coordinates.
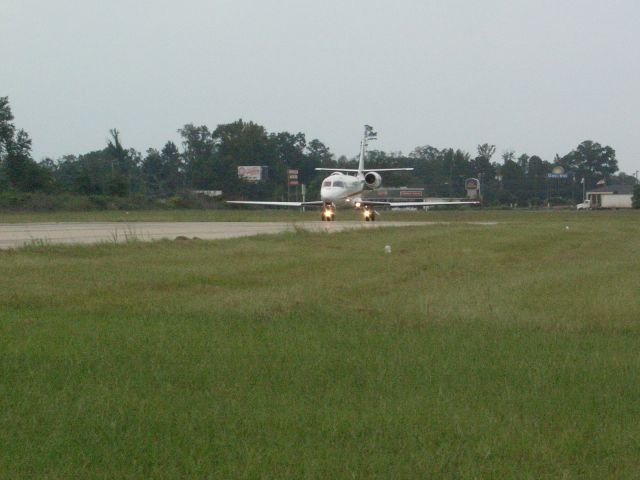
(606, 201)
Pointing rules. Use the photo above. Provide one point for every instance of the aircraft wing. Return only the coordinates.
(278, 204)
(365, 170)
(417, 204)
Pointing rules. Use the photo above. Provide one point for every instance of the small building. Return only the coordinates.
(611, 196)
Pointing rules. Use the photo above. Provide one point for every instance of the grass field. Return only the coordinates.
(228, 215)
(505, 351)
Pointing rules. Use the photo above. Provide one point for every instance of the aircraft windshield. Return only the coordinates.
(338, 184)
(326, 183)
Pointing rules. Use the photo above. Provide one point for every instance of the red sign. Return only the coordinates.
(411, 193)
(471, 184)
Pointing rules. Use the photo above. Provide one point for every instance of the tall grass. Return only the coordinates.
(504, 351)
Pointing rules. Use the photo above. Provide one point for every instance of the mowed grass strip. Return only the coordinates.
(470, 352)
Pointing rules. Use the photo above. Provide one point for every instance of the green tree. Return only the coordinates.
(125, 166)
(317, 155)
(486, 151)
(456, 168)
(523, 162)
(425, 161)
(114, 170)
(247, 143)
(622, 178)
(512, 181)
(7, 129)
(162, 171)
(199, 148)
(636, 196)
(537, 170)
(590, 161)
(18, 171)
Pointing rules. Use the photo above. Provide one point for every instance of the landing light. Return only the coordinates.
(367, 213)
(358, 204)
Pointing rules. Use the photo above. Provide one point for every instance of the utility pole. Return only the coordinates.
(451, 175)
(303, 189)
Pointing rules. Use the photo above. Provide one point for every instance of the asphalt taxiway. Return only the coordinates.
(19, 234)
(16, 235)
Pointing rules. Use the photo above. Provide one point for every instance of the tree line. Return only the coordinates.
(207, 159)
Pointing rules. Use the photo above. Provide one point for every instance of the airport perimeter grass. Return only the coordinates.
(505, 351)
(178, 215)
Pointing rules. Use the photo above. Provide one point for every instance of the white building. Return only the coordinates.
(611, 196)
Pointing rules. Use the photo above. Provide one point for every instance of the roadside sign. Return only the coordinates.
(292, 176)
(252, 173)
(557, 172)
(471, 184)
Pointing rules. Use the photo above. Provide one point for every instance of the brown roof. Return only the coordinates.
(615, 189)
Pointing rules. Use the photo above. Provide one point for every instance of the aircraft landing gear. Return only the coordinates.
(327, 215)
(369, 216)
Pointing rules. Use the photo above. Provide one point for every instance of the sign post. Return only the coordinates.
(292, 181)
(303, 189)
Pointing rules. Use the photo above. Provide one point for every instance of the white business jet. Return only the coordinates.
(345, 186)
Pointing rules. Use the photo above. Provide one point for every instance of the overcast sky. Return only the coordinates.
(533, 76)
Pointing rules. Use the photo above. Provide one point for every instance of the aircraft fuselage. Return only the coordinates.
(341, 190)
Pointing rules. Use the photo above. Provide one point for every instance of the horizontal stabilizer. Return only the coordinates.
(366, 169)
(430, 204)
(416, 204)
(278, 204)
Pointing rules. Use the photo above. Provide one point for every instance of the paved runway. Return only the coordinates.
(15, 235)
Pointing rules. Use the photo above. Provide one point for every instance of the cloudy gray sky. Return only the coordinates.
(533, 76)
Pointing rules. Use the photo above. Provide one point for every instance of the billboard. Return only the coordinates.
(412, 192)
(292, 177)
(557, 172)
(472, 186)
(252, 173)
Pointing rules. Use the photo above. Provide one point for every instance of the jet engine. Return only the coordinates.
(373, 180)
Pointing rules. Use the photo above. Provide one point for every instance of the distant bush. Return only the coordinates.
(560, 201)
(42, 202)
(636, 196)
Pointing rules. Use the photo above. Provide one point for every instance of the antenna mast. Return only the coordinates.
(369, 134)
